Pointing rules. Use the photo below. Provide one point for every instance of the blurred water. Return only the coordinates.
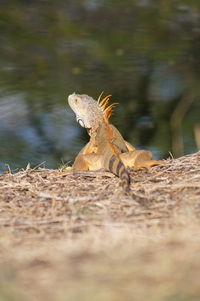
(145, 53)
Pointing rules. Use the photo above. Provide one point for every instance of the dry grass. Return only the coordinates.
(68, 236)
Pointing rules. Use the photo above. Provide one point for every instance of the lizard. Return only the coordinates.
(106, 148)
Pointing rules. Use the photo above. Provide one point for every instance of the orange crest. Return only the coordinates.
(107, 111)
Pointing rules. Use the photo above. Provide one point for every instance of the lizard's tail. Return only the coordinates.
(116, 166)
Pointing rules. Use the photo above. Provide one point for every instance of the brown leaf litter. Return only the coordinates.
(78, 236)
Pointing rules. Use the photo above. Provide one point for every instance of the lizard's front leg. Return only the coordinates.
(139, 159)
(88, 162)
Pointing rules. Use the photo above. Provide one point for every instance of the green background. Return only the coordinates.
(145, 53)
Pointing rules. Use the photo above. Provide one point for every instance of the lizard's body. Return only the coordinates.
(106, 149)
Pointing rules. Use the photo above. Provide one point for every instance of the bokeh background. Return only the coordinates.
(145, 53)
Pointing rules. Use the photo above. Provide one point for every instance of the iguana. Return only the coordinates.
(106, 148)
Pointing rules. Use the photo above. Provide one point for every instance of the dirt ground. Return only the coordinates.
(78, 236)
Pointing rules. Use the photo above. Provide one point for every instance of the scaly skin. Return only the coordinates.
(106, 149)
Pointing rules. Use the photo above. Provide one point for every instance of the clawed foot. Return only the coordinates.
(148, 164)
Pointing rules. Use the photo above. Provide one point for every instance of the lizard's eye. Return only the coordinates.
(76, 100)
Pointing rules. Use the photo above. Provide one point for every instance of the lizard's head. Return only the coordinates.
(89, 112)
